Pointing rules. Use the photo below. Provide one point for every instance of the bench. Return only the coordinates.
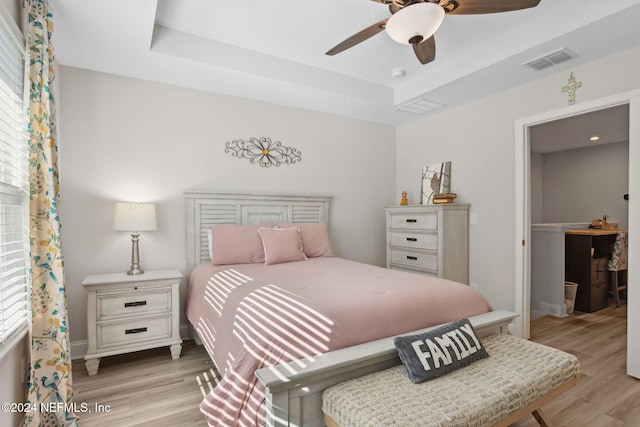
(518, 378)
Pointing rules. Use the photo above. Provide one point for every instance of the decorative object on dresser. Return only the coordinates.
(435, 180)
(404, 201)
(135, 217)
(431, 240)
(128, 313)
(444, 198)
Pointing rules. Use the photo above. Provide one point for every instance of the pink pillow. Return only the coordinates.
(315, 238)
(237, 244)
(281, 245)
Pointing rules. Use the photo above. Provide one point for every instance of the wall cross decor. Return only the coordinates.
(571, 88)
(263, 151)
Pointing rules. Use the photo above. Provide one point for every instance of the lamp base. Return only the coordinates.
(135, 256)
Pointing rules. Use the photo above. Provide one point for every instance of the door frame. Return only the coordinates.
(523, 215)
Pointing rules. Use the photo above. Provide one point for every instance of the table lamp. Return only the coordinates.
(134, 218)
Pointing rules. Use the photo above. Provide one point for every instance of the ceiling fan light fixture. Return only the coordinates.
(415, 23)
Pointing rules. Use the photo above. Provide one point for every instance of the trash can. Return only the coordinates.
(570, 290)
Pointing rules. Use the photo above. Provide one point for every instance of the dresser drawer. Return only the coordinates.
(415, 259)
(113, 334)
(599, 296)
(421, 220)
(598, 270)
(414, 240)
(133, 303)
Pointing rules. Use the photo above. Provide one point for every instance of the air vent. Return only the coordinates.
(550, 59)
(419, 106)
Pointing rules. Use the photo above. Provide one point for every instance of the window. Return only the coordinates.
(14, 186)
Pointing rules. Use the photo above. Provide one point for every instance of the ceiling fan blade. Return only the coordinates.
(425, 50)
(471, 7)
(393, 8)
(358, 37)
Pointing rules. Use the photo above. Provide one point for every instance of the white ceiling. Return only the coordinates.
(273, 51)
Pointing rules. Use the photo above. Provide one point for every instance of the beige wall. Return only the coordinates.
(127, 139)
(109, 124)
(479, 139)
(583, 184)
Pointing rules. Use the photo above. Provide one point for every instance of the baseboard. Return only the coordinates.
(79, 348)
(557, 310)
(536, 314)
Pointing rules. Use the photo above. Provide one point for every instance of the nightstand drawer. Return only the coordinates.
(133, 303)
(421, 220)
(414, 240)
(415, 259)
(113, 334)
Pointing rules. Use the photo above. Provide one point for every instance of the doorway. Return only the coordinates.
(523, 214)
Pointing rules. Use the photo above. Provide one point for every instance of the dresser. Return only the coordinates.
(429, 239)
(127, 313)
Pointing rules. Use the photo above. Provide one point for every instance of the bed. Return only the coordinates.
(282, 327)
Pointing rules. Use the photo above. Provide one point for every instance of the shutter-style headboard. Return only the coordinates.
(205, 209)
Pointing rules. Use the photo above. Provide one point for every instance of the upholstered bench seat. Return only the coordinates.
(518, 378)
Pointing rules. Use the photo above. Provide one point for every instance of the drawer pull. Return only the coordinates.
(412, 258)
(412, 239)
(135, 331)
(135, 303)
(412, 220)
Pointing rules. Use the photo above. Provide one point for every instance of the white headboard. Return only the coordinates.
(205, 209)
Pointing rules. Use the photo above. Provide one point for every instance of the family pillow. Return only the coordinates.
(439, 351)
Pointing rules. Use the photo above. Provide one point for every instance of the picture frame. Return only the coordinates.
(436, 179)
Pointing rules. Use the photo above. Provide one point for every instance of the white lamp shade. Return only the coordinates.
(420, 19)
(135, 217)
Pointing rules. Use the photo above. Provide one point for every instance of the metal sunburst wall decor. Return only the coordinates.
(264, 151)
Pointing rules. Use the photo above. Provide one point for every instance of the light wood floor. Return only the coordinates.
(604, 396)
(146, 388)
(150, 389)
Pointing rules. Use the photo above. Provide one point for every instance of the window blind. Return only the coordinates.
(14, 183)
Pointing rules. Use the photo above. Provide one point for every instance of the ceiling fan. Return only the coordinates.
(413, 22)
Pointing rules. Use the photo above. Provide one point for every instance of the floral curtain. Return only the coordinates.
(50, 389)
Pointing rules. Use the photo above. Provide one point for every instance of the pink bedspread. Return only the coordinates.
(252, 316)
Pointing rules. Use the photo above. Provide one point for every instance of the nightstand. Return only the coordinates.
(131, 313)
